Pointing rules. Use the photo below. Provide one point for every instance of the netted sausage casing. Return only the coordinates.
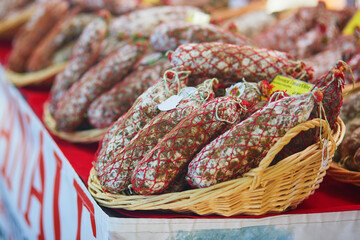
(160, 167)
(116, 176)
(233, 62)
(242, 147)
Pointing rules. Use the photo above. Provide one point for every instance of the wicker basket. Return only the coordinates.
(263, 190)
(343, 175)
(9, 26)
(336, 171)
(38, 77)
(85, 136)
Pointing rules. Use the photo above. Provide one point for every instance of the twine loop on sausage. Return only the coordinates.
(174, 76)
(276, 96)
(238, 102)
(344, 67)
(204, 89)
(244, 86)
(323, 143)
(300, 69)
(256, 86)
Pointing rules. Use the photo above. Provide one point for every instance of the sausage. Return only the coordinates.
(116, 175)
(341, 48)
(250, 92)
(229, 62)
(161, 166)
(354, 64)
(45, 17)
(72, 107)
(251, 23)
(116, 7)
(242, 147)
(331, 86)
(142, 22)
(66, 30)
(351, 108)
(110, 45)
(350, 151)
(283, 35)
(10, 6)
(128, 125)
(170, 35)
(85, 54)
(326, 28)
(109, 106)
(63, 54)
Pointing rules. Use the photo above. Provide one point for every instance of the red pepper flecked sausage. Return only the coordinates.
(170, 35)
(116, 7)
(72, 107)
(283, 35)
(108, 107)
(143, 110)
(84, 55)
(229, 62)
(242, 147)
(331, 85)
(68, 29)
(116, 175)
(160, 167)
(143, 22)
(45, 17)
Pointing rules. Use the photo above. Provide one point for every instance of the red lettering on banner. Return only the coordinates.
(39, 194)
(24, 121)
(84, 201)
(57, 228)
(7, 135)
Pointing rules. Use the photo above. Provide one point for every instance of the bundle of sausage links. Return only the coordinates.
(49, 40)
(147, 151)
(157, 158)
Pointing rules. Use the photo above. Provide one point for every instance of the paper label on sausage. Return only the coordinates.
(325, 154)
(174, 100)
(170, 103)
(236, 90)
(290, 86)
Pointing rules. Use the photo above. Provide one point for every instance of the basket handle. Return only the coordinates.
(293, 132)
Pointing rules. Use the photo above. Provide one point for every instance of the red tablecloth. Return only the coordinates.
(332, 196)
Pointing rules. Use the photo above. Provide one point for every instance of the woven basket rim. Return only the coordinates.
(344, 175)
(336, 171)
(16, 20)
(84, 136)
(254, 180)
(25, 79)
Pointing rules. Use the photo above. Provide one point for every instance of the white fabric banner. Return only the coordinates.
(43, 196)
(330, 226)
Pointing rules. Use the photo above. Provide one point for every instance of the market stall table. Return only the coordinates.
(334, 206)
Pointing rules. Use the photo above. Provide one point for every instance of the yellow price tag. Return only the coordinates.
(198, 18)
(291, 86)
(350, 26)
